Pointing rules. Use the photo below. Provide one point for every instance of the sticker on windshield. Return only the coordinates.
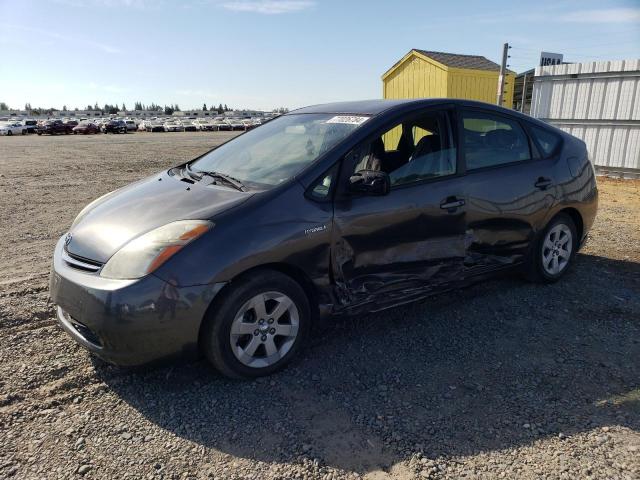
(348, 119)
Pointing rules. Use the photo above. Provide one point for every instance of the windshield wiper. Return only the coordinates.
(234, 182)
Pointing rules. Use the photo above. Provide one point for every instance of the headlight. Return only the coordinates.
(146, 253)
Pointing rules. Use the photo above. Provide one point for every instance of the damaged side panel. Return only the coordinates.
(398, 248)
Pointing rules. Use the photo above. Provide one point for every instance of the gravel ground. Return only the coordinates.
(501, 380)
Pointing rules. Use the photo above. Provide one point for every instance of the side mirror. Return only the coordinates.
(370, 182)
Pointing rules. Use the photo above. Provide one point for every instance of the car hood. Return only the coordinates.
(111, 221)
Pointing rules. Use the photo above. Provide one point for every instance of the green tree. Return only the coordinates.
(27, 107)
(4, 106)
(64, 108)
(226, 109)
(220, 109)
(204, 107)
(168, 110)
(124, 107)
(96, 107)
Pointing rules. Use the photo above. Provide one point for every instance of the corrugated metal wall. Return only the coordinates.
(598, 102)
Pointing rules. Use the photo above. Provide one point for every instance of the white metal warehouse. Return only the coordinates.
(598, 102)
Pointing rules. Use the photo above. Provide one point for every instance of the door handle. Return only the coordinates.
(543, 182)
(451, 203)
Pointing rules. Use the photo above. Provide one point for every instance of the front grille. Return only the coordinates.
(80, 263)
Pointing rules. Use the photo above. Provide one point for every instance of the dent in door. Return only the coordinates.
(419, 267)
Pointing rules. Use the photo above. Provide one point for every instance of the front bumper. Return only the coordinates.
(128, 322)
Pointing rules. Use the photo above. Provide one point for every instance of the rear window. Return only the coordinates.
(546, 140)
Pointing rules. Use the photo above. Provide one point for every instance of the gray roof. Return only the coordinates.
(377, 106)
(455, 60)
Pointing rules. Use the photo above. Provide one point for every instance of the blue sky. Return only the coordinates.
(271, 53)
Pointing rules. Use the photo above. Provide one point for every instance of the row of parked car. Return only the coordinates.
(193, 125)
(126, 125)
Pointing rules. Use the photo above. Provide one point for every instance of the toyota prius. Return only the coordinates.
(337, 209)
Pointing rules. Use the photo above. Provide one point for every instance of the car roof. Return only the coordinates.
(374, 107)
(364, 107)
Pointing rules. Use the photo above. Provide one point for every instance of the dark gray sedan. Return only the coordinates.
(333, 209)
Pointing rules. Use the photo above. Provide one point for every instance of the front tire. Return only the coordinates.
(258, 326)
(9, 133)
(553, 251)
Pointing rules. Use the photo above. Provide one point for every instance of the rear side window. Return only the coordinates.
(547, 140)
(491, 140)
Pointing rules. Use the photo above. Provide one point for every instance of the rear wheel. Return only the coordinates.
(258, 326)
(9, 133)
(554, 251)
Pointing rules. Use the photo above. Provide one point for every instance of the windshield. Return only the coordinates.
(274, 152)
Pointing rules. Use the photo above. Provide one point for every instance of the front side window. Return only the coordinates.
(276, 151)
(322, 188)
(412, 151)
(491, 140)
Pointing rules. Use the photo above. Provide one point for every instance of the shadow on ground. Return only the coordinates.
(495, 366)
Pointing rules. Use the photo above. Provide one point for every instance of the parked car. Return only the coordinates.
(54, 127)
(189, 126)
(71, 123)
(131, 125)
(202, 125)
(329, 210)
(154, 126)
(235, 124)
(115, 126)
(86, 128)
(32, 125)
(221, 124)
(173, 126)
(13, 128)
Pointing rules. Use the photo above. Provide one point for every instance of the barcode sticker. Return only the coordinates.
(348, 119)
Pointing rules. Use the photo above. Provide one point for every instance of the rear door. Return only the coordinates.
(509, 189)
(398, 247)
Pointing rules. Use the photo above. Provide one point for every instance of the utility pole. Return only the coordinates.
(524, 93)
(503, 69)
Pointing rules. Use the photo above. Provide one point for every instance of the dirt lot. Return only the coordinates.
(501, 380)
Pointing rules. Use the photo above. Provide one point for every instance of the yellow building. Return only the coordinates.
(421, 73)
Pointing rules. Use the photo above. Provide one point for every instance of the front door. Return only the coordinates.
(398, 247)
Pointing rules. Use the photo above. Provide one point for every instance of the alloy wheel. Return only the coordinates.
(556, 249)
(264, 329)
